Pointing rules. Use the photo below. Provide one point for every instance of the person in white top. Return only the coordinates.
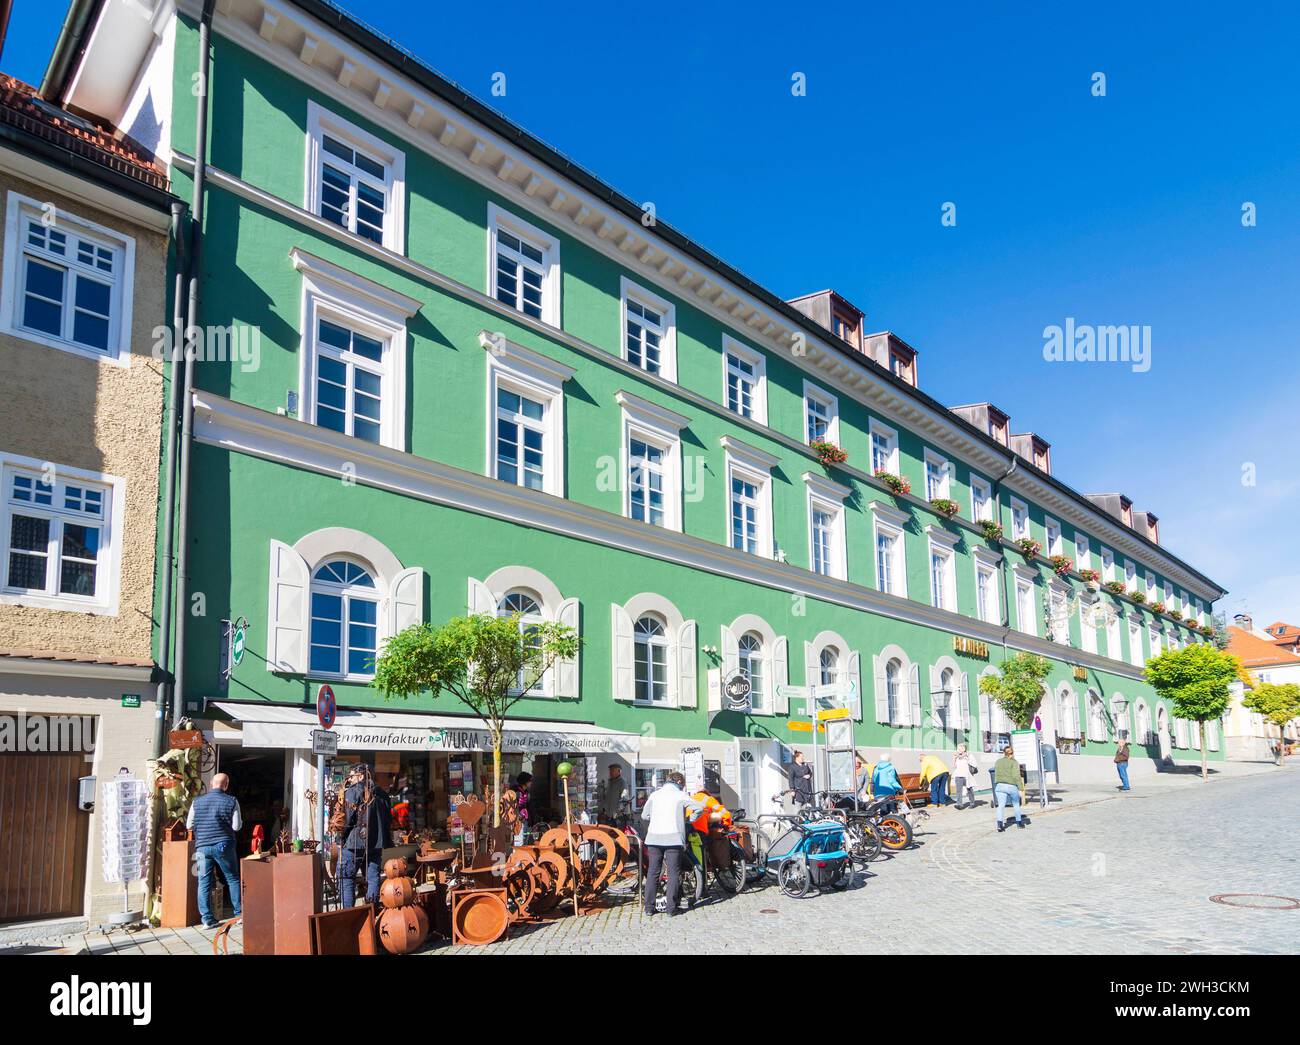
(666, 811)
(964, 770)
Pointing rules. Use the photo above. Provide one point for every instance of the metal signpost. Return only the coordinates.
(823, 705)
(234, 640)
(1023, 742)
(323, 742)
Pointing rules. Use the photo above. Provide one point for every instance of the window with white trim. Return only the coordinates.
(828, 666)
(1152, 594)
(753, 665)
(1058, 613)
(525, 417)
(1082, 552)
(1087, 629)
(826, 551)
(988, 605)
(528, 612)
(943, 570)
(648, 330)
(891, 562)
(937, 471)
(1135, 644)
(1130, 576)
(57, 541)
(895, 698)
(1019, 519)
(1113, 650)
(344, 633)
(884, 448)
(1107, 565)
(821, 415)
(523, 266)
(1053, 531)
(650, 645)
(68, 281)
(749, 498)
(1026, 617)
(350, 378)
(744, 380)
(646, 482)
(981, 499)
(355, 180)
(652, 462)
(1097, 727)
(1153, 634)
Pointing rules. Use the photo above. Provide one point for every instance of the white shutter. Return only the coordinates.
(406, 603)
(781, 675)
(730, 665)
(286, 615)
(963, 701)
(624, 655)
(914, 683)
(481, 600)
(986, 712)
(687, 680)
(566, 668)
(855, 679)
(882, 690)
(812, 673)
(934, 688)
(1074, 715)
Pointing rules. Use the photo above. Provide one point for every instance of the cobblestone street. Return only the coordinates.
(1105, 873)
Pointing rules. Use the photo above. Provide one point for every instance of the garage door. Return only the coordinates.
(44, 836)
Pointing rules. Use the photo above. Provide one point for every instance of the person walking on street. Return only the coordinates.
(214, 820)
(366, 823)
(964, 771)
(935, 773)
(801, 780)
(1121, 764)
(666, 812)
(1008, 787)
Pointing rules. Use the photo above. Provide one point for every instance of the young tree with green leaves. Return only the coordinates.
(487, 663)
(1279, 704)
(1019, 689)
(1196, 679)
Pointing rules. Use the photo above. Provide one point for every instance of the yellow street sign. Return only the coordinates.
(831, 714)
(804, 727)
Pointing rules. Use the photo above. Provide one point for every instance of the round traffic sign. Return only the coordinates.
(326, 709)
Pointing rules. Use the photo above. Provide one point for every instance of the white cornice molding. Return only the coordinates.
(825, 487)
(888, 513)
(239, 428)
(521, 358)
(750, 456)
(983, 553)
(392, 304)
(50, 668)
(650, 414)
(941, 536)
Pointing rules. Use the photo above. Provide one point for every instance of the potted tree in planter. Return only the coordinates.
(827, 452)
(945, 506)
(1196, 679)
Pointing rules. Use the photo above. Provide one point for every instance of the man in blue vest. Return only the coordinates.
(214, 818)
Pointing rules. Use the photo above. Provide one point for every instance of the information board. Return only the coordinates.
(124, 807)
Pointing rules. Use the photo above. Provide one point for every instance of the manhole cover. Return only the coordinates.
(768, 910)
(1258, 900)
(1074, 832)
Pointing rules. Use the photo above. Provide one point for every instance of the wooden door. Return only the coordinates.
(45, 836)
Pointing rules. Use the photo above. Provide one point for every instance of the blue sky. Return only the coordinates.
(1123, 209)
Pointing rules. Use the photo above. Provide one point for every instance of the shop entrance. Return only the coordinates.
(258, 782)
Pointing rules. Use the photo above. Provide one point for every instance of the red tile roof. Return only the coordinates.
(1256, 652)
(1283, 634)
(20, 107)
(72, 658)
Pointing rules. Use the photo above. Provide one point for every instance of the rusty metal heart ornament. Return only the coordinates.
(471, 812)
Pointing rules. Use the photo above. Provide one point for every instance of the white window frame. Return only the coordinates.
(827, 496)
(659, 427)
(1130, 575)
(630, 291)
(497, 219)
(1087, 632)
(889, 522)
(987, 562)
(982, 486)
(811, 394)
(756, 359)
(942, 545)
(751, 465)
(346, 595)
(1024, 581)
(944, 468)
(346, 299)
(890, 436)
(521, 370)
(1052, 536)
(1020, 525)
(320, 121)
(1082, 551)
(1149, 579)
(108, 562)
(1107, 565)
(1114, 638)
(20, 209)
(1135, 656)
(1153, 639)
(1058, 594)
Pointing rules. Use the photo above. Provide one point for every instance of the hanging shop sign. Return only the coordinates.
(736, 692)
(970, 647)
(1080, 674)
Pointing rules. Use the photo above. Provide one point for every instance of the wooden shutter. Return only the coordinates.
(811, 665)
(963, 700)
(914, 684)
(566, 668)
(882, 689)
(781, 675)
(481, 600)
(286, 617)
(687, 678)
(854, 677)
(624, 655)
(406, 605)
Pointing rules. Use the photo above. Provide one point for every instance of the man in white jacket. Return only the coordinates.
(667, 812)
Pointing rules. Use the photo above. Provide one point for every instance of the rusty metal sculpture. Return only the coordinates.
(403, 925)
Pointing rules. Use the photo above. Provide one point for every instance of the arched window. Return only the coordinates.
(1144, 724)
(894, 689)
(651, 660)
(530, 616)
(751, 663)
(344, 620)
(829, 666)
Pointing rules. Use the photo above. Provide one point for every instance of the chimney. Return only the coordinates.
(988, 419)
(1244, 622)
(834, 312)
(894, 354)
(1147, 525)
(1034, 449)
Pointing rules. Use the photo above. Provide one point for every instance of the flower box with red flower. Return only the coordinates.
(827, 452)
(945, 506)
(991, 530)
(1029, 547)
(1062, 564)
(899, 484)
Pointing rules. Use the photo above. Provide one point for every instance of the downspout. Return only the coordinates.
(166, 552)
(1006, 604)
(191, 350)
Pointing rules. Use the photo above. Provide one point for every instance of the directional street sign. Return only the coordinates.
(829, 714)
(799, 726)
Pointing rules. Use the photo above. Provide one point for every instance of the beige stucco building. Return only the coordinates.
(84, 223)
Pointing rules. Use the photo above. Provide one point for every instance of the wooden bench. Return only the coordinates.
(912, 786)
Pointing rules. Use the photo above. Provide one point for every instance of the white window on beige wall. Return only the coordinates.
(67, 281)
(60, 536)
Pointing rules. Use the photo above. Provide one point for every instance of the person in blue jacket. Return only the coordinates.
(884, 779)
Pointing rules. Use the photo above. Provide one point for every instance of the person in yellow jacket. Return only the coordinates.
(935, 773)
(714, 812)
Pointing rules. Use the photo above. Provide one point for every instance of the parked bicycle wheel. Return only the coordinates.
(864, 840)
(895, 832)
(733, 878)
(794, 879)
(690, 888)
